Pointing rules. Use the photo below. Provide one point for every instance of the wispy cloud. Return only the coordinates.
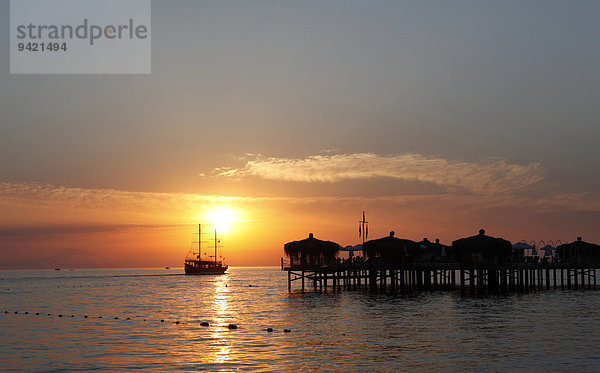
(581, 201)
(51, 230)
(37, 202)
(494, 175)
(24, 204)
(91, 197)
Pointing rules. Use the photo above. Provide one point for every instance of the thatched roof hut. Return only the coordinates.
(311, 251)
(391, 250)
(482, 250)
(579, 252)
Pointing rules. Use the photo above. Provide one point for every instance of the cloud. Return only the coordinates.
(494, 175)
(581, 201)
(39, 194)
(44, 204)
(48, 230)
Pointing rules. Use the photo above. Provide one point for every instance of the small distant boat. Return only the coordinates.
(194, 265)
(57, 269)
(167, 267)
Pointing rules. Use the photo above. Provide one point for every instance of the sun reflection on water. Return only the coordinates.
(222, 315)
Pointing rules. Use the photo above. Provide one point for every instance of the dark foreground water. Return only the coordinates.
(346, 331)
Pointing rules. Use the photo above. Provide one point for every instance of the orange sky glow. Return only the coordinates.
(279, 119)
(107, 228)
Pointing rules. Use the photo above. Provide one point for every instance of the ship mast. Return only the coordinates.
(199, 241)
(215, 246)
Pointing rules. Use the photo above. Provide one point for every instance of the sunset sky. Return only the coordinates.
(437, 118)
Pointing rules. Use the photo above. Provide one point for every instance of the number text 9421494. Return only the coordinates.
(42, 47)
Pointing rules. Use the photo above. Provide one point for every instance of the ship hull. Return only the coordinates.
(196, 269)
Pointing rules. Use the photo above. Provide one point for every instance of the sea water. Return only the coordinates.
(349, 330)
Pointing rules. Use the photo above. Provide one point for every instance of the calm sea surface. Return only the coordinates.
(345, 331)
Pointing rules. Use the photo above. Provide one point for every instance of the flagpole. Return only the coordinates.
(363, 233)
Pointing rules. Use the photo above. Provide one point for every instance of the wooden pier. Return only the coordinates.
(521, 277)
(479, 264)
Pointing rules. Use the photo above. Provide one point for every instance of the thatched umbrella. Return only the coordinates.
(351, 249)
(434, 251)
(482, 249)
(390, 249)
(548, 250)
(523, 246)
(520, 247)
(312, 251)
(579, 252)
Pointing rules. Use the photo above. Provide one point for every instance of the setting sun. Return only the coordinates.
(221, 218)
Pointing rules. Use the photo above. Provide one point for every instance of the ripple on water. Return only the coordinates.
(342, 331)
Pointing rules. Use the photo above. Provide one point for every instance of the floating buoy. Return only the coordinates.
(204, 323)
(99, 317)
(128, 318)
(37, 313)
(177, 322)
(270, 330)
(49, 314)
(116, 318)
(27, 313)
(16, 312)
(161, 320)
(232, 326)
(85, 316)
(250, 285)
(5, 311)
(286, 330)
(60, 315)
(72, 315)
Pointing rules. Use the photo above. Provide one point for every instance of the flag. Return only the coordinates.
(359, 232)
(367, 232)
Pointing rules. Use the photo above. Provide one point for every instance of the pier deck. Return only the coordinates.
(517, 277)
